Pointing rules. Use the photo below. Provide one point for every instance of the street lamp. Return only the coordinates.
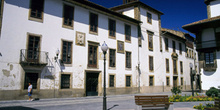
(104, 48)
(55, 58)
(57, 53)
(192, 77)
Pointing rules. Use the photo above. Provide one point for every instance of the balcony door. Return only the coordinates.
(33, 48)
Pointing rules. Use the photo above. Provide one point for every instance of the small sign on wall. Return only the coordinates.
(120, 46)
(80, 38)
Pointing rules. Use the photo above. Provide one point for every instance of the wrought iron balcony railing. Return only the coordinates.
(33, 57)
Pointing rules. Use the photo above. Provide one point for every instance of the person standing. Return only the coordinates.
(30, 90)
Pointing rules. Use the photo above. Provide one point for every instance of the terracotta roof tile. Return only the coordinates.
(177, 33)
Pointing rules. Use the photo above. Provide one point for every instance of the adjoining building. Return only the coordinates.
(207, 33)
(55, 44)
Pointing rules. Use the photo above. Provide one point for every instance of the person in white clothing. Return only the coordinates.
(30, 92)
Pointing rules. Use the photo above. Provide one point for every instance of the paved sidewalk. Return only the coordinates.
(114, 102)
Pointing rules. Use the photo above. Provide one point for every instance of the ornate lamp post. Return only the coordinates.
(104, 48)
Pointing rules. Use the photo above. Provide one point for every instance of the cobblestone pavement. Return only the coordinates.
(114, 102)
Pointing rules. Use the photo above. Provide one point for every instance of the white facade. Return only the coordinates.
(159, 57)
(214, 8)
(14, 37)
(52, 33)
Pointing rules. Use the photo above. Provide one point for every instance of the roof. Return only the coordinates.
(135, 3)
(87, 4)
(208, 1)
(206, 23)
(173, 32)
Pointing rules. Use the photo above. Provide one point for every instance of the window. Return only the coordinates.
(150, 41)
(151, 80)
(67, 52)
(36, 9)
(209, 58)
(149, 18)
(180, 47)
(167, 65)
(92, 56)
(166, 44)
(112, 58)
(111, 80)
(31, 78)
(181, 67)
(127, 32)
(168, 81)
(68, 14)
(65, 81)
(174, 67)
(128, 59)
(174, 46)
(128, 81)
(93, 23)
(151, 63)
(181, 81)
(33, 48)
(111, 27)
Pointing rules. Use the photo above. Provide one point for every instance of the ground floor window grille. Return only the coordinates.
(65, 81)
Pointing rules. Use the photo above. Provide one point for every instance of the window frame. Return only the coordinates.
(112, 29)
(181, 67)
(127, 81)
(71, 52)
(61, 81)
(174, 45)
(110, 58)
(127, 33)
(151, 70)
(150, 47)
(167, 80)
(149, 18)
(150, 80)
(111, 81)
(167, 65)
(35, 18)
(180, 48)
(175, 66)
(210, 63)
(95, 45)
(127, 66)
(90, 21)
(181, 81)
(39, 46)
(166, 44)
(63, 17)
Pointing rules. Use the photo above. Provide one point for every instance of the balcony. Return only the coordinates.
(208, 44)
(33, 58)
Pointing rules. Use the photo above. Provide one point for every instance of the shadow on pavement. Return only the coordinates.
(16, 108)
(113, 106)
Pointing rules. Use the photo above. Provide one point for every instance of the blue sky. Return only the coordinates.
(176, 12)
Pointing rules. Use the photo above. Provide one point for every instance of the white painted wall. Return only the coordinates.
(211, 79)
(215, 7)
(14, 38)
